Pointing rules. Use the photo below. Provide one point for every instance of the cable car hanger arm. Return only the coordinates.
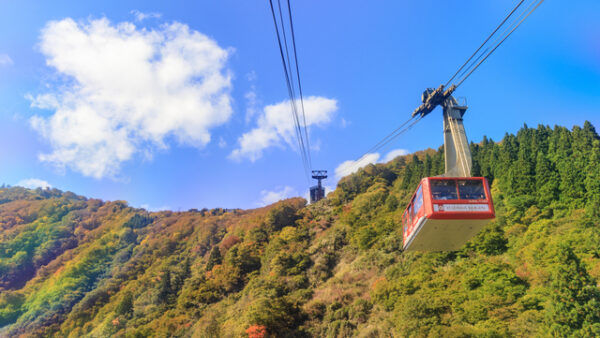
(456, 147)
(432, 98)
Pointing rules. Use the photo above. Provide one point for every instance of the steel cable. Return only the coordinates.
(291, 95)
(503, 39)
(484, 42)
(299, 82)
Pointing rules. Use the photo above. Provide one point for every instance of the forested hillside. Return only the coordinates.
(73, 267)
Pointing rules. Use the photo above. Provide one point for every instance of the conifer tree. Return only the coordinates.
(575, 301)
(592, 184)
(214, 258)
(125, 307)
(546, 180)
(165, 289)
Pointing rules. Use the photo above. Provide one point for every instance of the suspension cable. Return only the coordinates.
(472, 66)
(484, 42)
(396, 133)
(301, 147)
(503, 39)
(299, 82)
(291, 76)
(385, 139)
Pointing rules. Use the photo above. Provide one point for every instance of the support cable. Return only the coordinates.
(299, 82)
(376, 146)
(290, 93)
(484, 42)
(472, 66)
(503, 39)
(291, 77)
(396, 133)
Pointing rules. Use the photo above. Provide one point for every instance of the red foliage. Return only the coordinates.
(228, 242)
(256, 331)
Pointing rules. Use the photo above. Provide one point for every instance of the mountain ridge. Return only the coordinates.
(72, 266)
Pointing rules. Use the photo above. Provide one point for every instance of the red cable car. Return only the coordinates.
(448, 210)
(445, 212)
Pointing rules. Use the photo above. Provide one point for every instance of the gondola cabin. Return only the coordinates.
(445, 212)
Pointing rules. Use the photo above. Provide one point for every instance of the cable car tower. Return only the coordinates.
(456, 147)
(317, 192)
(448, 210)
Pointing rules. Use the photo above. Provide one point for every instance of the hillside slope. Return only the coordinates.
(73, 267)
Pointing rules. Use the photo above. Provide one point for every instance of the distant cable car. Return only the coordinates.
(448, 210)
(445, 212)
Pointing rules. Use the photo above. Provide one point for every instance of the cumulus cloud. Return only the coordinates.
(149, 208)
(5, 60)
(251, 97)
(34, 183)
(348, 167)
(251, 103)
(275, 126)
(140, 16)
(128, 90)
(394, 153)
(222, 142)
(270, 197)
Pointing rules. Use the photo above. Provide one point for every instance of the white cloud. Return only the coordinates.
(140, 16)
(276, 126)
(270, 197)
(251, 97)
(348, 167)
(5, 60)
(128, 91)
(394, 153)
(251, 103)
(149, 208)
(33, 183)
(315, 145)
(222, 142)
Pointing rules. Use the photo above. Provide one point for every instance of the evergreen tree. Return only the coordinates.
(214, 258)
(427, 166)
(523, 174)
(575, 301)
(125, 307)
(165, 288)
(184, 274)
(546, 180)
(475, 154)
(187, 268)
(592, 184)
(437, 167)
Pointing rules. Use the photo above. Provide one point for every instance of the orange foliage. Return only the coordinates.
(228, 242)
(256, 331)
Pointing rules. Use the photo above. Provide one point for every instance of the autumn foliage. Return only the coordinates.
(257, 331)
(72, 266)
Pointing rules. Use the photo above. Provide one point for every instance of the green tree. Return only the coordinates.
(165, 288)
(214, 258)
(546, 180)
(125, 307)
(592, 182)
(574, 299)
(280, 216)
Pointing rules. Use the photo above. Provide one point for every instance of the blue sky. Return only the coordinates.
(96, 97)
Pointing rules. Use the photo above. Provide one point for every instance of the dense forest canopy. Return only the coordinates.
(72, 266)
